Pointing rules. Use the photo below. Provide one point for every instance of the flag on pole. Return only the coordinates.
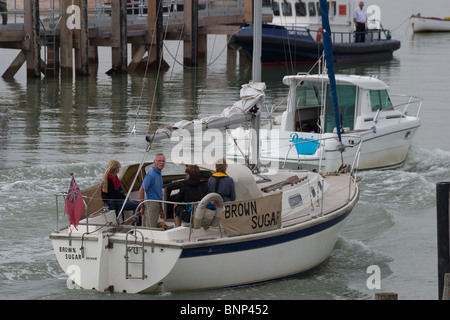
(74, 206)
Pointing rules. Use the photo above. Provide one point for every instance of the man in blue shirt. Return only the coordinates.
(151, 188)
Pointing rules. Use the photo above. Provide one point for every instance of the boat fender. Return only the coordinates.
(205, 214)
(319, 34)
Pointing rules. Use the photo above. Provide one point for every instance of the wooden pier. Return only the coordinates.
(55, 34)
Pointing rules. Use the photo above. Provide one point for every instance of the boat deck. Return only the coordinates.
(338, 190)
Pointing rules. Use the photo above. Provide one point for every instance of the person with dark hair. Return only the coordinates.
(221, 183)
(193, 189)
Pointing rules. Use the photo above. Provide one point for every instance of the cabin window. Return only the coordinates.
(309, 100)
(300, 9)
(295, 200)
(311, 9)
(331, 8)
(346, 102)
(286, 7)
(276, 9)
(308, 95)
(379, 100)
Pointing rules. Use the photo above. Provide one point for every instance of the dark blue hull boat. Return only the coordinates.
(301, 45)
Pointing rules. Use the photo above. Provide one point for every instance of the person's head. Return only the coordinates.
(221, 165)
(159, 161)
(193, 171)
(361, 4)
(113, 167)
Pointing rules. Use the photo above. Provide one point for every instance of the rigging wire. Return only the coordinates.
(133, 131)
(153, 37)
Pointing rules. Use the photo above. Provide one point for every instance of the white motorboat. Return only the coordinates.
(429, 24)
(305, 135)
(282, 223)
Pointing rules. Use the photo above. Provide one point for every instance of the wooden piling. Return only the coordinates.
(33, 49)
(443, 233)
(191, 33)
(72, 40)
(446, 289)
(119, 32)
(82, 41)
(386, 296)
(66, 40)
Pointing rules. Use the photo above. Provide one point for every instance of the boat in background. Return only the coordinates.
(282, 223)
(295, 34)
(381, 124)
(429, 24)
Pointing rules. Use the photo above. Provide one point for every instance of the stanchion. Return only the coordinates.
(443, 239)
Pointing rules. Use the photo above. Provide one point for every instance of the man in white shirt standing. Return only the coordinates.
(3, 10)
(360, 19)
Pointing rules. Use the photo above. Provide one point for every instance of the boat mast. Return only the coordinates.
(328, 49)
(256, 77)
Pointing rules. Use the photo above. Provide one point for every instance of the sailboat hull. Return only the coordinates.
(234, 261)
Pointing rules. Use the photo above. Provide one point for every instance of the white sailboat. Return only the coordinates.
(282, 223)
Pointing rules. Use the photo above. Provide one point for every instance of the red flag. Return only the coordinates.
(74, 204)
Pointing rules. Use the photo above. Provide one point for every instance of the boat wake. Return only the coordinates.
(413, 185)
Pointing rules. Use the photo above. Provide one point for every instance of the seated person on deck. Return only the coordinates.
(221, 183)
(193, 189)
(112, 193)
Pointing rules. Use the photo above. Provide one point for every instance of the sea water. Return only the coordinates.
(50, 127)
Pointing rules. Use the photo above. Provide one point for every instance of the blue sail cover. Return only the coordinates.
(328, 48)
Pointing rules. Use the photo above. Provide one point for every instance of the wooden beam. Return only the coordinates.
(15, 65)
(66, 39)
(190, 43)
(137, 57)
(81, 36)
(33, 53)
(154, 37)
(119, 32)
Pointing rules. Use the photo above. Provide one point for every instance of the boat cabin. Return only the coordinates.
(360, 99)
(306, 13)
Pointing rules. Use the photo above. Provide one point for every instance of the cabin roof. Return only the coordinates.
(363, 82)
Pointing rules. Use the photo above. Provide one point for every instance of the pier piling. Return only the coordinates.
(443, 235)
(386, 296)
(70, 32)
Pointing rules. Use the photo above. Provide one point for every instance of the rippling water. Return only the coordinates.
(49, 128)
